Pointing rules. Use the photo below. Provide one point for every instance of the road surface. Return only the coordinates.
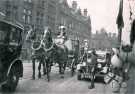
(57, 85)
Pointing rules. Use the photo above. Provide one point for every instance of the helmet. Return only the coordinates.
(62, 27)
(85, 40)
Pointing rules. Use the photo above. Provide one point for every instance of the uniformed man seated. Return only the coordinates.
(62, 37)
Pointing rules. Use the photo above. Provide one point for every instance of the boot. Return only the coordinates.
(91, 86)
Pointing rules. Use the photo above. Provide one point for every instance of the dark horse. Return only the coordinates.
(54, 52)
(132, 34)
(38, 53)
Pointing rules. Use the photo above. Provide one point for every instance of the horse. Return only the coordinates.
(55, 53)
(120, 62)
(38, 53)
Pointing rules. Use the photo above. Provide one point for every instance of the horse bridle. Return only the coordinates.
(51, 47)
(42, 42)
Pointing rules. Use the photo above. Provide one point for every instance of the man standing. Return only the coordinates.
(92, 68)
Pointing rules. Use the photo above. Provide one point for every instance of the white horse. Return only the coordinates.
(122, 59)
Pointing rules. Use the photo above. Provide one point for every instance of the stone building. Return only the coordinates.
(103, 40)
(20, 11)
(35, 13)
(52, 13)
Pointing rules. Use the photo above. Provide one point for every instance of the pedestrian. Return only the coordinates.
(93, 68)
(108, 59)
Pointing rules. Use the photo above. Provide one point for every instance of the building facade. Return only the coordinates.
(52, 13)
(103, 40)
(78, 23)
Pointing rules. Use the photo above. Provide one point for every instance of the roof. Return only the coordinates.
(16, 24)
(62, 1)
(13, 23)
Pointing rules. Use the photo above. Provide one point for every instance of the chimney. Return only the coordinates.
(85, 12)
(79, 11)
(74, 5)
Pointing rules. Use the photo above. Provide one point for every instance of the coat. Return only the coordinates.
(93, 59)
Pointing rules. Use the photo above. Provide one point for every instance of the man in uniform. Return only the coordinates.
(85, 45)
(62, 37)
(92, 68)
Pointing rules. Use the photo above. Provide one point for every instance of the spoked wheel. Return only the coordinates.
(12, 81)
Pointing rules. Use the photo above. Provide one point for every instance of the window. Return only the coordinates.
(13, 35)
(37, 20)
(24, 10)
(3, 31)
(38, 13)
(29, 1)
(2, 35)
(28, 20)
(43, 3)
(24, 18)
(29, 12)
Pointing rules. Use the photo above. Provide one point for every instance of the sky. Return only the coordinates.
(103, 13)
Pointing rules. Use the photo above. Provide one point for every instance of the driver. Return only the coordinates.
(62, 37)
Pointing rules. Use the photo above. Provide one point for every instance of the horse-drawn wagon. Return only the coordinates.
(11, 67)
(73, 55)
(64, 54)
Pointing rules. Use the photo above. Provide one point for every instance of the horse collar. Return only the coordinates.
(50, 48)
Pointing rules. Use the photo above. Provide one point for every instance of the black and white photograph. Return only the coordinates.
(67, 47)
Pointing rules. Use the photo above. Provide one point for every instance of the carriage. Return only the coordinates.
(73, 56)
(11, 67)
(52, 52)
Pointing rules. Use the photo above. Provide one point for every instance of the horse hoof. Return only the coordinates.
(33, 78)
(91, 87)
(48, 80)
(39, 76)
(44, 73)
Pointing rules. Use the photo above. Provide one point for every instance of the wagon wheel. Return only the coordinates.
(12, 81)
